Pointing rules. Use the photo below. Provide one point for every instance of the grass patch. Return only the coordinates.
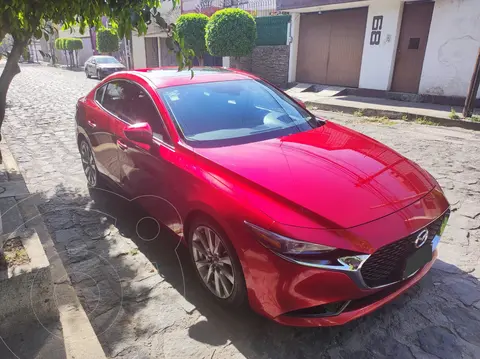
(405, 117)
(134, 251)
(358, 113)
(453, 114)
(424, 121)
(383, 120)
(474, 118)
(13, 254)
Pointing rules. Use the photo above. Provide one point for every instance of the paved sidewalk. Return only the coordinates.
(393, 109)
(69, 337)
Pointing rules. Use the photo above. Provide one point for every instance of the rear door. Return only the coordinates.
(100, 130)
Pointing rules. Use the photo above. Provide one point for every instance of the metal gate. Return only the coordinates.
(330, 47)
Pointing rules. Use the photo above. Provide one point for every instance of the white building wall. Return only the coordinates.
(138, 51)
(452, 48)
(378, 61)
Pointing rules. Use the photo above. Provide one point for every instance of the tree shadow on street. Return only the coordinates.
(144, 300)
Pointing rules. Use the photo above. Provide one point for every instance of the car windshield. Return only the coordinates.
(233, 112)
(106, 60)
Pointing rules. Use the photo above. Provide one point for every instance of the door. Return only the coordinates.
(147, 173)
(330, 47)
(412, 44)
(100, 128)
(168, 57)
(151, 51)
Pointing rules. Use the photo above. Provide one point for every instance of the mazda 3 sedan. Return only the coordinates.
(101, 66)
(311, 223)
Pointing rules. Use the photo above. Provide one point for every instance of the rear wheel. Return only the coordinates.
(88, 163)
(216, 263)
(87, 73)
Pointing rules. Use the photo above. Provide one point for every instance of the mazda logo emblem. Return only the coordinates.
(421, 238)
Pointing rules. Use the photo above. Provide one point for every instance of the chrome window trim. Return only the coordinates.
(158, 141)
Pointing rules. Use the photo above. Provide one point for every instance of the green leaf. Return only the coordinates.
(38, 34)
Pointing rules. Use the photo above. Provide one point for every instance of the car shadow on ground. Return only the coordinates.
(435, 318)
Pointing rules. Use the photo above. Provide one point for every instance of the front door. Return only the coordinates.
(412, 44)
(148, 174)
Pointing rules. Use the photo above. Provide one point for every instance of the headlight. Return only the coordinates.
(285, 245)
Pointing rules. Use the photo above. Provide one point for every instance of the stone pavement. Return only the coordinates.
(141, 295)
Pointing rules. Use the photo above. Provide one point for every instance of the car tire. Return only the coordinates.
(99, 75)
(86, 73)
(94, 179)
(216, 278)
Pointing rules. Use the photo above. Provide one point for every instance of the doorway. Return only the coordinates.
(412, 44)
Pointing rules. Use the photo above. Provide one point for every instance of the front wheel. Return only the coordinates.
(216, 263)
(99, 75)
(87, 73)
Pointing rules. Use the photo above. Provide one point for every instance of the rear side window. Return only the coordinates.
(99, 94)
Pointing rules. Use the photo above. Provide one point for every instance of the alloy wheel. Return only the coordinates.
(88, 163)
(213, 262)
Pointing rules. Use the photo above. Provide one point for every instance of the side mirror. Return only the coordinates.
(139, 132)
(300, 102)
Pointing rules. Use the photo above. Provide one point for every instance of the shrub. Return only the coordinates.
(191, 27)
(72, 44)
(107, 41)
(231, 32)
(59, 43)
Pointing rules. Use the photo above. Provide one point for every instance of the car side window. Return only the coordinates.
(99, 94)
(132, 104)
(114, 99)
(143, 109)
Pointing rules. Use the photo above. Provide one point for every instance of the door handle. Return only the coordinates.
(123, 146)
(91, 124)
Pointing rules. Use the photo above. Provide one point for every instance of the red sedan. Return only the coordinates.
(310, 222)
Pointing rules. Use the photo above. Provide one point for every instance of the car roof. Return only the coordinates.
(170, 76)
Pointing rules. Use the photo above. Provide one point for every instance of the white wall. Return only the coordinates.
(294, 35)
(378, 61)
(452, 48)
(138, 51)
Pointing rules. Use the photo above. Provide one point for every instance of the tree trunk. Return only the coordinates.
(9, 72)
(201, 62)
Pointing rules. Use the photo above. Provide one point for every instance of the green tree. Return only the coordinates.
(61, 45)
(23, 19)
(107, 41)
(72, 45)
(231, 32)
(191, 27)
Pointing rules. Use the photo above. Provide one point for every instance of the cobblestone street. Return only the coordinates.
(141, 296)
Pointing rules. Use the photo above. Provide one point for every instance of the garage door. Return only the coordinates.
(330, 47)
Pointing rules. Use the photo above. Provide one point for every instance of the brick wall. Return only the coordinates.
(268, 62)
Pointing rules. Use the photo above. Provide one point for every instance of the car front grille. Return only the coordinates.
(387, 264)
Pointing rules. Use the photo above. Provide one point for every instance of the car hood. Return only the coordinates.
(111, 66)
(334, 174)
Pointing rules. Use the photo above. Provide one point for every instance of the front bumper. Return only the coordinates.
(362, 306)
(279, 287)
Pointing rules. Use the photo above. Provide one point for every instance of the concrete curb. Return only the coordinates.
(399, 115)
(79, 337)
